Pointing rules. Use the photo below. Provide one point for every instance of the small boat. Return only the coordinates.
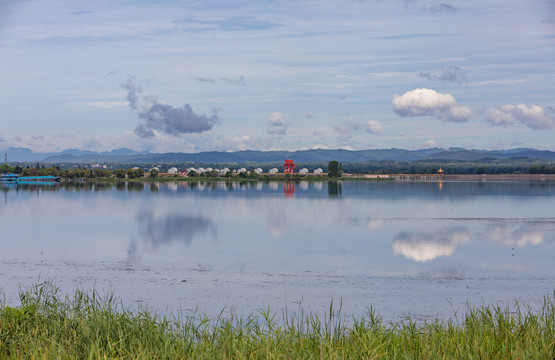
(17, 178)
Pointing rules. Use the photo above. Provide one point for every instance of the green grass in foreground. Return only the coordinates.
(48, 325)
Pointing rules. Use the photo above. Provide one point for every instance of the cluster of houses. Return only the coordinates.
(202, 171)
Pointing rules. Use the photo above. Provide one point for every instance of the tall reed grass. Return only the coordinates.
(86, 325)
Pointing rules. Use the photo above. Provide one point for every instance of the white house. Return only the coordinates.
(318, 171)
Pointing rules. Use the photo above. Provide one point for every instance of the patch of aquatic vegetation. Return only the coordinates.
(50, 325)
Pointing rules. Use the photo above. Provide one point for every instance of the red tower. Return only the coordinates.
(289, 167)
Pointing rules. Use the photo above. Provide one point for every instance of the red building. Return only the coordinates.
(289, 167)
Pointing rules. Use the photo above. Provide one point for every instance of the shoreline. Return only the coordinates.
(460, 177)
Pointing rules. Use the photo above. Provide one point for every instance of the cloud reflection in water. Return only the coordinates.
(160, 231)
(423, 246)
(518, 235)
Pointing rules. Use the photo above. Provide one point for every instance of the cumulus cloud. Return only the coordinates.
(422, 247)
(371, 127)
(534, 116)
(276, 124)
(450, 74)
(374, 127)
(427, 102)
(164, 118)
(176, 121)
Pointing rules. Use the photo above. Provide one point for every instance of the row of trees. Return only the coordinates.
(72, 173)
(334, 170)
(393, 167)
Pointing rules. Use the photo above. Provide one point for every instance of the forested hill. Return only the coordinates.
(301, 156)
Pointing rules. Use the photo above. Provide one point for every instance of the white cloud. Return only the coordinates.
(430, 144)
(276, 124)
(427, 102)
(534, 116)
(371, 127)
(499, 117)
(374, 127)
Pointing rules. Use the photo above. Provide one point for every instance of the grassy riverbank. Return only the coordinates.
(49, 325)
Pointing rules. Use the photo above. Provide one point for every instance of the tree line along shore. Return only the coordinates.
(333, 169)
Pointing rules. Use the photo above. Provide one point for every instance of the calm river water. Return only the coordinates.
(421, 248)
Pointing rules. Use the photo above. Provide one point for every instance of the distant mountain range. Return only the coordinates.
(252, 156)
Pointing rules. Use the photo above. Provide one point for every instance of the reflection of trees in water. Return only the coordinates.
(159, 231)
(335, 188)
(426, 246)
(28, 186)
(102, 186)
(135, 186)
(520, 235)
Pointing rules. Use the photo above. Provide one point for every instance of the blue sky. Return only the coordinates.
(231, 75)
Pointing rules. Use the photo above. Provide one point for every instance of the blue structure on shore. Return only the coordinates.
(17, 178)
